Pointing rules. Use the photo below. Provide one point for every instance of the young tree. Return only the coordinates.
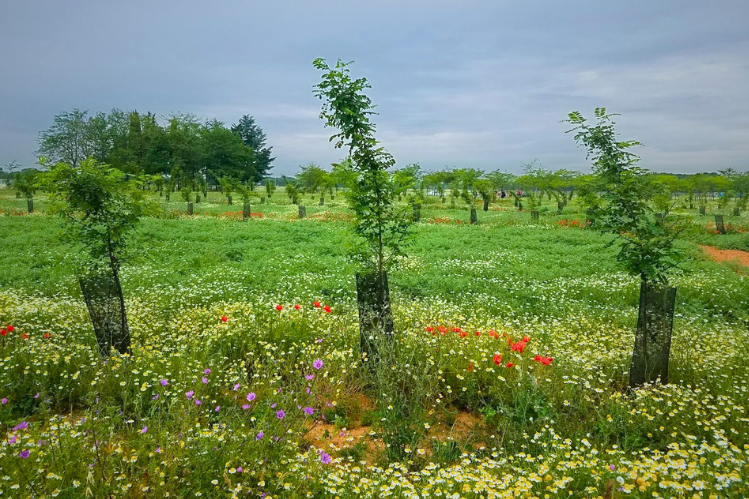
(100, 206)
(67, 139)
(646, 247)
(380, 224)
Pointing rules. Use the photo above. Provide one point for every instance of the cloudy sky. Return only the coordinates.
(480, 84)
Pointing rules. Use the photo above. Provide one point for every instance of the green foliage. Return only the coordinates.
(100, 206)
(26, 182)
(381, 224)
(254, 138)
(646, 246)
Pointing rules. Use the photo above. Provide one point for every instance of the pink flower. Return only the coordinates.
(309, 411)
(205, 381)
(280, 414)
(310, 377)
(207, 371)
(24, 454)
(198, 402)
(189, 394)
(164, 382)
(250, 396)
(325, 457)
(317, 364)
(218, 408)
(260, 436)
(144, 430)
(21, 426)
(237, 387)
(246, 406)
(4, 401)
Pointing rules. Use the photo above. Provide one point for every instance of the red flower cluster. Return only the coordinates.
(520, 345)
(6, 330)
(543, 360)
(571, 224)
(325, 308)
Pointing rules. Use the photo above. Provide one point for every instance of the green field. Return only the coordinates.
(446, 418)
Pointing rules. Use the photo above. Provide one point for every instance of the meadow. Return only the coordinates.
(507, 376)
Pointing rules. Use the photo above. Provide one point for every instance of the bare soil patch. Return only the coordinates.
(719, 255)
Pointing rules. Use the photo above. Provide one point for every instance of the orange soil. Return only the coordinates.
(742, 257)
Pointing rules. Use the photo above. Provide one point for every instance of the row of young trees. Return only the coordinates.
(181, 148)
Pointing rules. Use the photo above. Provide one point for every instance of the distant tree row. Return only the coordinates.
(182, 149)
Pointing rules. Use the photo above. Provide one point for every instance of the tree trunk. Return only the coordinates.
(106, 307)
(189, 208)
(228, 198)
(322, 201)
(302, 211)
(30, 205)
(167, 197)
(736, 212)
(486, 205)
(655, 323)
(702, 210)
(474, 218)
(262, 200)
(375, 314)
(197, 198)
(560, 207)
(719, 225)
(534, 215)
(417, 213)
(246, 211)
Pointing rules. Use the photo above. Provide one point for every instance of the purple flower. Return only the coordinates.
(21, 426)
(317, 364)
(246, 406)
(24, 454)
(12, 439)
(310, 377)
(158, 450)
(324, 457)
(260, 436)
(189, 394)
(250, 396)
(144, 430)
(280, 414)
(319, 340)
(218, 408)
(612, 467)
(205, 380)
(36, 396)
(4, 401)
(308, 390)
(198, 402)
(155, 397)
(207, 371)
(239, 469)
(237, 386)
(273, 405)
(309, 411)
(164, 382)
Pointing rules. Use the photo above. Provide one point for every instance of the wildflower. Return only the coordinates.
(430, 329)
(239, 469)
(155, 397)
(4, 401)
(510, 364)
(36, 396)
(224, 318)
(189, 394)
(326, 308)
(144, 430)
(470, 367)
(218, 408)
(297, 307)
(246, 406)
(158, 450)
(24, 454)
(250, 396)
(198, 402)
(237, 386)
(497, 359)
(325, 457)
(10, 329)
(164, 382)
(47, 335)
(280, 414)
(25, 336)
(309, 377)
(317, 364)
(279, 307)
(3, 332)
(21, 426)
(309, 411)
(207, 371)
(478, 333)
(317, 304)
(259, 436)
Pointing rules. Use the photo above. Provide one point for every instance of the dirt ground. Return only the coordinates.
(741, 257)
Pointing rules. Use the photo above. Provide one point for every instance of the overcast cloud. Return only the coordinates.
(466, 84)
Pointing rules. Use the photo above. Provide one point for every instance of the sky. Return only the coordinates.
(465, 84)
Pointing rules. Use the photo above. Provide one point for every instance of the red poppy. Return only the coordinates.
(279, 307)
(326, 308)
(510, 364)
(25, 336)
(3, 332)
(442, 329)
(224, 318)
(478, 333)
(297, 307)
(46, 335)
(317, 304)
(470, 367)
(430, 329)
(463, 334)
(497, 359)
(11, 329)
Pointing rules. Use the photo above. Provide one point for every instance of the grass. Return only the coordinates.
(445, 414)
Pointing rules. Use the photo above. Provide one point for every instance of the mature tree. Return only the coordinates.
(254, 137)
(224, 154)
(312, 178)
(67, 140)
